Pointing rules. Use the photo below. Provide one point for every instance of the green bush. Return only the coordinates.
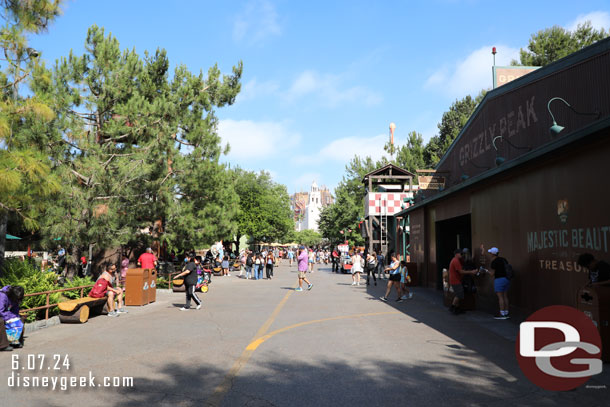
(77, 282)
(162, 282)
(24, 274)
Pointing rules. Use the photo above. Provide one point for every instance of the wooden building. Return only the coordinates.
(527, 174)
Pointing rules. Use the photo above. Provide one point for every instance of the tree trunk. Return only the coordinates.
(238, 238)
(3, 222)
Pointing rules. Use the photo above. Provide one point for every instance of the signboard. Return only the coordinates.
(343, 248)
(431, 182)
(504, 74)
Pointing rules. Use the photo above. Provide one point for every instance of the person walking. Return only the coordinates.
(290, 256)
(371, 267)
(269, 266)
(311, 260)
(404, 280)
(302, 259)
(394, 270)
(501, 281)
(357, 263)
(190, 282)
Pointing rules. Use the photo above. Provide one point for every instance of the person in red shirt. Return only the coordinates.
(455, 280)
(147, 260)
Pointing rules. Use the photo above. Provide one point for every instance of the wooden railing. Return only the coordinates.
(48, 294)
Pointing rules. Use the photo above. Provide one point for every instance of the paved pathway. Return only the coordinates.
(260, 343)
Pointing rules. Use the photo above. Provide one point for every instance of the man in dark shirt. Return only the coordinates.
(190, 282)
(501, 281)
(599, 270)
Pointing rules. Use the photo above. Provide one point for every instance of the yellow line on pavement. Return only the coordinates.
(222, 389)
(256, 343)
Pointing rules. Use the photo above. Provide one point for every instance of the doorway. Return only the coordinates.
(451, 234)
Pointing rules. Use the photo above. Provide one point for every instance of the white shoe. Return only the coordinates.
(184, 309)
(354, 283)
(198, 306)
(410, 295)
(357, 283)
(404, 297)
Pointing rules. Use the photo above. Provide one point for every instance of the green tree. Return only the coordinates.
(136, 149)
(410, 156)
(25, 179)
(452, 122)
(308, 237)
(265, 214)
(554, 43)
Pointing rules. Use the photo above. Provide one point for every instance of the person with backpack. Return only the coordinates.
(249, 264)
(501, 271)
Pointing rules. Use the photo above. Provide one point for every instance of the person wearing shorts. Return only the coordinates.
(104, 287)
(394, 270)
(455, 280)
(501, 282)
(302, 259)
(357, 262)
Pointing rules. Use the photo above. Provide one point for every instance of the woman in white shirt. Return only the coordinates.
(357, 262)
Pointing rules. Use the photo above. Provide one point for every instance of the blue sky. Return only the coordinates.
(323, 79)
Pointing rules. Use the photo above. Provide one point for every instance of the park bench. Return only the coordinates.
(78, 310)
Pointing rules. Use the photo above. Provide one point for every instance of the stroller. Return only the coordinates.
(204, 277)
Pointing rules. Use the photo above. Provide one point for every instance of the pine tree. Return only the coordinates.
(136, 150)
(25, 179)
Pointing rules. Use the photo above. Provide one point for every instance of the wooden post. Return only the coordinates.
(46, 311)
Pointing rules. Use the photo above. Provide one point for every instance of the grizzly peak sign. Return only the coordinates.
(512, 122)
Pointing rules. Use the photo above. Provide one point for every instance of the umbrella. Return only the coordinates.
(11, 237)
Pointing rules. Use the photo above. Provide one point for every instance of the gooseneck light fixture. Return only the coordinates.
(499, 159)
(555, 129)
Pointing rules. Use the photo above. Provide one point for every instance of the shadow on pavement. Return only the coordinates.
(328, 383)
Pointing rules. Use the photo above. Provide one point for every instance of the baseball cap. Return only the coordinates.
(493, 250)
(302, 247)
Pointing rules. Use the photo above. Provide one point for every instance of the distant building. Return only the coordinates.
(307, 206)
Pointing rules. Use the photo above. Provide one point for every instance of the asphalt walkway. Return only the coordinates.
(260, 343)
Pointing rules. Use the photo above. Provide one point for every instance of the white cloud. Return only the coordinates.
(253, 141)
(328, 91)
(344, 149)
(598, 19)
(256, 22)
(473, 73)
(254, 89)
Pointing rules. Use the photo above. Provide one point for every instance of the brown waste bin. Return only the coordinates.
(137, 287)
(152, 285)
(594, 301)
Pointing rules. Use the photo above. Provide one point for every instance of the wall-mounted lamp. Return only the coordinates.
(499, 159)
(555, 129)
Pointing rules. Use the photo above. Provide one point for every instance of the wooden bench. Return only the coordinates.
(78, 310)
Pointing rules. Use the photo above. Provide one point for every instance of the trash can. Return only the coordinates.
(594, 302)
(152, 285)
(137, 287)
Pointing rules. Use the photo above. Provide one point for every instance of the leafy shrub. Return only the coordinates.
(162, 282)
(77, 282)
(24, 274)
